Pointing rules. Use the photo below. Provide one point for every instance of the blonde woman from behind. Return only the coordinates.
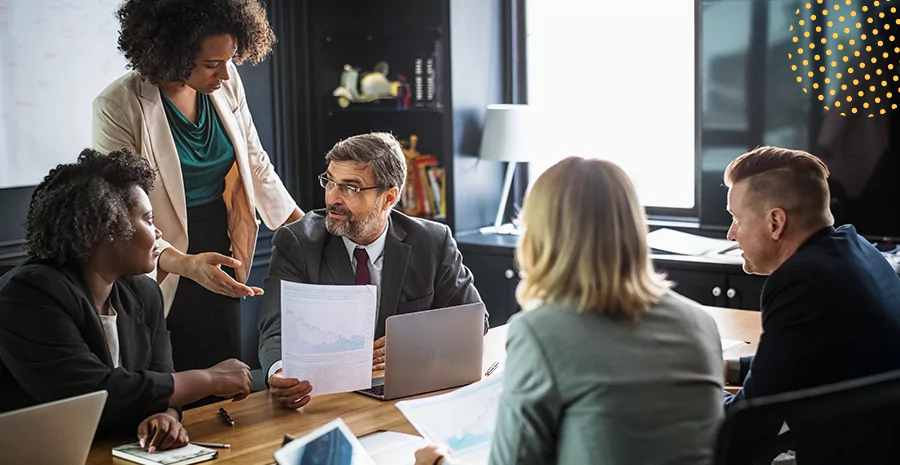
(606, 365)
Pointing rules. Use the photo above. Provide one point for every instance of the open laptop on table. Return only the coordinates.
(431, 350)
(57, 433)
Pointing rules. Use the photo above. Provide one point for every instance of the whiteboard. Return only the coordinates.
(55, 57)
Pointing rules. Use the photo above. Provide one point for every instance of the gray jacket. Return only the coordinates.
(581, 388)
(422, 270)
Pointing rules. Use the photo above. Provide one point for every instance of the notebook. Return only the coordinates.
(186, 455)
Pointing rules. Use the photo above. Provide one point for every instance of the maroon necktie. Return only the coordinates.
(362, 266)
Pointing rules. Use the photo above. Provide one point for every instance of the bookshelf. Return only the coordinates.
(406, 34)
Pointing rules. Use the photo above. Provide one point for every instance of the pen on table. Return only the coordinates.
(226, 416)
(491, 368)
(211, 444)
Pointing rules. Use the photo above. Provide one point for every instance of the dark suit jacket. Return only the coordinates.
(422, 270)
(830, 312)
(52, 345)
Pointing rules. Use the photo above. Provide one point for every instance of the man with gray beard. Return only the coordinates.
(360, 239)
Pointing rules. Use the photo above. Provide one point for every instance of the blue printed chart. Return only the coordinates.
(329, 332)
(464, 420)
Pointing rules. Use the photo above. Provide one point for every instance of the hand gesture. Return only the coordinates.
(379, 355)
(431, 455)
(290, 392)
(231, 378)
(161, 432)
(206, 270)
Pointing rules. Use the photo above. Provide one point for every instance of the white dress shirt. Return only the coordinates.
(375, 250)
(111, 331)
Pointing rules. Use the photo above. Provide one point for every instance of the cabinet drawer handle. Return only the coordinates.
(730, 293)
(509, 274)
(716, 291)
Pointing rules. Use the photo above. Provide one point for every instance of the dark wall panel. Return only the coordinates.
(476, 62)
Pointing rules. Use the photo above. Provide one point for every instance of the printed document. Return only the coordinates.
(463, 420)
(393, 448)
(669, 240)
(731, 344)
(327, 334)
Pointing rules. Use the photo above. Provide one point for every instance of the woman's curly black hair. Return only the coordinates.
(82, 204)
(161, 38)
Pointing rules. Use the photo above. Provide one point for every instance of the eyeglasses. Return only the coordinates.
(346, 189)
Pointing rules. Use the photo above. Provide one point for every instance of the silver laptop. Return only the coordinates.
(431, 350)
(58, 433)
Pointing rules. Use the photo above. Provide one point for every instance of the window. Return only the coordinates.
(615, 79)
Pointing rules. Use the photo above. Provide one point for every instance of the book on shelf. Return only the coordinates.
(418, 82)
(425, 191)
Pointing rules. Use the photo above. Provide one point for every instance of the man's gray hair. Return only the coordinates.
(379, 150)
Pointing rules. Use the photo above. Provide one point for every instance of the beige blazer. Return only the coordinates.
(129, 113)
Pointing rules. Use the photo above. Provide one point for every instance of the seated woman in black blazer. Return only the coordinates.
(80, 315)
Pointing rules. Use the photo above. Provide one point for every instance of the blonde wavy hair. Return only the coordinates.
(585, 242)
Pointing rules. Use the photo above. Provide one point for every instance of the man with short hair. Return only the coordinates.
(831, 305)
(360, 239)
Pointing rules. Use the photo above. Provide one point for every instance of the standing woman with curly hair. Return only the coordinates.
(183, 108)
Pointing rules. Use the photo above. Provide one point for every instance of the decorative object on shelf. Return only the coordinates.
(372, 86)
(425, 85)
(509, 135)
(425, 191)
(403, 93)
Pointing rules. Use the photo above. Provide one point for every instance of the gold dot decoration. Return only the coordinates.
(855, 36)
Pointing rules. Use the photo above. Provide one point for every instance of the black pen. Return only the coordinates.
(226, 416)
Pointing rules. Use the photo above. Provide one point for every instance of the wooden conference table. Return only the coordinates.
(260, 423)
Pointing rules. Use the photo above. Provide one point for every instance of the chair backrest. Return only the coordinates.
(862, 414)
(5, 268)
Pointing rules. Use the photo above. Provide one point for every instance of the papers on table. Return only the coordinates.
(464, 419)
(731, 344)
(669, 240)
(327, 335)
(392, 448)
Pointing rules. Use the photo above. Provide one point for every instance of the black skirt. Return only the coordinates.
(205, 327)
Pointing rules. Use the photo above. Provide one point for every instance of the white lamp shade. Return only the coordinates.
(508, 134)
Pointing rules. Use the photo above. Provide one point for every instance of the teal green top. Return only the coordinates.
(204, 149)
(584, 388)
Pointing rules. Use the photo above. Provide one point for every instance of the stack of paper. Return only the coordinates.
(392, 448)
(463, 420)
(669, 240)
(732, 343)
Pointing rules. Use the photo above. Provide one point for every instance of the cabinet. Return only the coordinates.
(496, 279)
(491, 260)
(719, 283)
(717, 288)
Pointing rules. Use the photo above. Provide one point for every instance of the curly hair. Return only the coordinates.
(161, 38)
(82, 204)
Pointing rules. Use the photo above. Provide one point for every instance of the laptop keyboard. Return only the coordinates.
(377, 390)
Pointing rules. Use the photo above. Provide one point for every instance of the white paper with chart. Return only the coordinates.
(327, 334)
(464, 420)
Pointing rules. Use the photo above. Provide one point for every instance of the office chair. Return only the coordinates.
(5, 268)
(854, 421)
